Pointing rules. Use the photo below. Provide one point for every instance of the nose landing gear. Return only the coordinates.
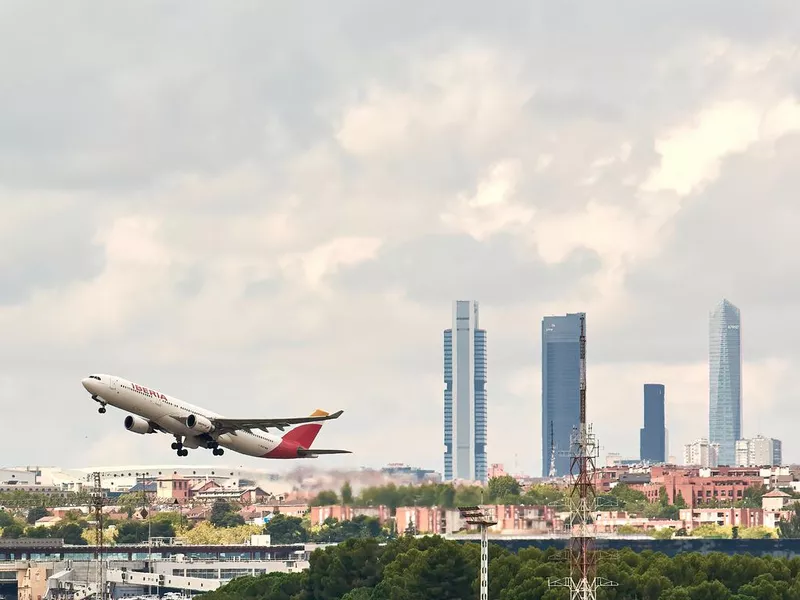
(102, 403)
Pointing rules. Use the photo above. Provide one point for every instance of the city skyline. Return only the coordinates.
(465, 395)
(725, 379)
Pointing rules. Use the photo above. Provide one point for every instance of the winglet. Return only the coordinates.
(321, 413)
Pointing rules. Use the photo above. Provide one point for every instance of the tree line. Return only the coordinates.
(432, 568)
(224, 525)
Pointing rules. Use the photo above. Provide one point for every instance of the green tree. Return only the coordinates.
(430, 567)
(503, 488)
(791, 528)
(6, 519)
(629, 499)
(751, 498)
(325, 498)
(543, 495)
(224, 515)
(361, 593)
(70, 532)
(286, 530)
(13, 531)
(35, 513)
(347, 494)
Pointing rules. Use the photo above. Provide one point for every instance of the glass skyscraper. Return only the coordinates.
(725, 380)
(561, 371)
(465, 404)
(652, 437)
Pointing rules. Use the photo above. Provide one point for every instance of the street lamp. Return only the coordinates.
(473, 515)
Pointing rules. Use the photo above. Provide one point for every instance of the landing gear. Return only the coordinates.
(177, 445)
(102, 403)
(218, 451)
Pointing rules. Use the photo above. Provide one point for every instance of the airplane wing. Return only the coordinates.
(222, 425)
(314, 452)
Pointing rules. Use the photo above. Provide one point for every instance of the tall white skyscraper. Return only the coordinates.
(725, 380)
(465, 405)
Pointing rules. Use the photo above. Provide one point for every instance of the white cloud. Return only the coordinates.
(203, 235)
(492, 208)
(471, 93)
(312, 266)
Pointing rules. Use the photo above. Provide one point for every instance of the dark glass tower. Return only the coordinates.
(561, 371)
(652, 437)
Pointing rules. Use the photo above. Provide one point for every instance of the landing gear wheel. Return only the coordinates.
(183, 452)
(101, 410)
(176, 445)
(218, 451)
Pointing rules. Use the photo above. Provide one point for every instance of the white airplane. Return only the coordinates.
(195, 427)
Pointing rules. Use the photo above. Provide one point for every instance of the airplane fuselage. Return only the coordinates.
(152, 407)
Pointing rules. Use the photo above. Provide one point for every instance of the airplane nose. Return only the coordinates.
(87, 383)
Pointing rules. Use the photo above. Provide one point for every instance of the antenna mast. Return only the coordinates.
(582, 581)
(552, 473)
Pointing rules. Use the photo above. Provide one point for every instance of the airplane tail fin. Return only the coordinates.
(305, 434)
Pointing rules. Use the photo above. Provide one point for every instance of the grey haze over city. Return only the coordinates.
(266, 209)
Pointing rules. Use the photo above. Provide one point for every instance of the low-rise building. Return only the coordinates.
(172, 488)
(775, 500)
(424, 519)
(319, 514)
(738, 517)
(245, 496)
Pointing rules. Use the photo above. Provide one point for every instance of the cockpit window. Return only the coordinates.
(94, 377)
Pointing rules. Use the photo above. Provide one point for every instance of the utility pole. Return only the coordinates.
(582, 501)
(145, 514)
(473, 515)
(98, 501)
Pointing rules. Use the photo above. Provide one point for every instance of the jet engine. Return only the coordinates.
(199, 423)
(138, 425)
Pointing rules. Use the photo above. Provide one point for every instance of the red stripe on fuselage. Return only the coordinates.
(286, 449)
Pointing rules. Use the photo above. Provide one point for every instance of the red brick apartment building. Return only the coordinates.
(700, 486)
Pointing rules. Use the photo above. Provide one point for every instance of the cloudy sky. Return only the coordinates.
(266, 209)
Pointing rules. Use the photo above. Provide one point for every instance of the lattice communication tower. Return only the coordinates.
(583, 581)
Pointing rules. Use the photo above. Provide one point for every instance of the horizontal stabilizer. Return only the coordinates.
(315, 452)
